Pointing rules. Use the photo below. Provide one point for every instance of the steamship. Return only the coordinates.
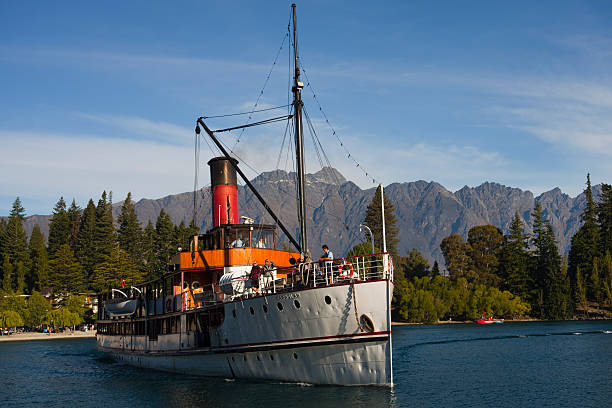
(318, 322)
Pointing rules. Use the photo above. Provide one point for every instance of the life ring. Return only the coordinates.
(168, 305)
(346, 273)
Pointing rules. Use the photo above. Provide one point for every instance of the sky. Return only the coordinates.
(104, 95)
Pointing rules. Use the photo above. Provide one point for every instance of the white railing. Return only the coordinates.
(299, 276)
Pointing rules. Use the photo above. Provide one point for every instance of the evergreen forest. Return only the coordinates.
(516, 275)
(86, 251)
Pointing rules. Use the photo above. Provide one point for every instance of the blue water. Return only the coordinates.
(556, 364)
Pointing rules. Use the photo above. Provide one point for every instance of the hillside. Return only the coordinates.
(426, 211)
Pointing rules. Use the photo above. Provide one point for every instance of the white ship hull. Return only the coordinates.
(311, 335)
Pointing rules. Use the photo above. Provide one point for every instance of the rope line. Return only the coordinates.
(333, 131)
(244, 113)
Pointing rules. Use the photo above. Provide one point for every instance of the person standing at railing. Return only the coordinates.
(327, 258)
(268, 272)
(255, 274)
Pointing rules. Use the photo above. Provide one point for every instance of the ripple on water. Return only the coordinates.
(529, 364)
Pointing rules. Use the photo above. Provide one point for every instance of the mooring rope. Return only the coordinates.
(355, 304)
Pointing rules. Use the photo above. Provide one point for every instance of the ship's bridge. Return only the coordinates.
(233, 245)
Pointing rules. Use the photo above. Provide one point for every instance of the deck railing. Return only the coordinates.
(300, 276)
(317, 274)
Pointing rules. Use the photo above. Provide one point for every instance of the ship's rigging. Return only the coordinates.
(293, 140)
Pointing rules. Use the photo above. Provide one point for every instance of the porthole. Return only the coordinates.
(245, 357)
(234, 312)
(226, 341)
(233, 359)
(279, 305)
(295, 356)
(296, 303)
(271, 357)
(252, 310)
(258, 358)
(328, 300)
(265, 308)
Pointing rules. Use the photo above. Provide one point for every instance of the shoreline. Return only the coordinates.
(47, 336)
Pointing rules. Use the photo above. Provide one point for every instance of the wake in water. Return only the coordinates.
(504, 337)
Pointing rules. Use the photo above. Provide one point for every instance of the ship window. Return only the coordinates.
(295, 356)
(296, 303)
(234, 312)
(328, 300)
(263, 239)
(271, 357)
(252, 310)
(279, 305)
(265, 308)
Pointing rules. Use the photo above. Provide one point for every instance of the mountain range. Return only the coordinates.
(426, 211)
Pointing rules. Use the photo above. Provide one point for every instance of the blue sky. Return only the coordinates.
(103, 96)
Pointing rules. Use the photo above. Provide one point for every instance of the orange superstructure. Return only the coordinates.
(219, 258)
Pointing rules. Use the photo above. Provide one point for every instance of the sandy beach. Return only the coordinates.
(47, 336)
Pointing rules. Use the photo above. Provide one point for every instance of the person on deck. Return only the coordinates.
(269, 267)
(237, 243)
(327, 257)
(255, 274)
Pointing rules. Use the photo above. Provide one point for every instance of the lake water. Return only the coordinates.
(539, 364)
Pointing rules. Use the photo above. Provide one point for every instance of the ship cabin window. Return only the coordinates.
(236, 236)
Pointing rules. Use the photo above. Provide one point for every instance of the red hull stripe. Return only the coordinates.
(307, 339)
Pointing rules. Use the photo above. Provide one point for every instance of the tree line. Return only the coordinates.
(512, 275)
(87, 249)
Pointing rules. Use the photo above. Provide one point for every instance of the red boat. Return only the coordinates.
(489, 320)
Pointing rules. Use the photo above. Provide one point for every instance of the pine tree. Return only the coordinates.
(164, 247)
(486, 242)
(594, 289)
(67, 274)
(182, 234)
(606, 278)
(580, 292)
(7, 274)
(585, 243)
(20, 272)
(129, 234)
(118, 266)
(604, 218)
(551, 282)
(373, 219)
(149, 255)
(435, 269)
(15, 242)
(457, 257)
(105, 230)
(59, 227)
(39, 270)
(415, 265)
(74, 217)
(86, 246)
(514, 260)
(2, 236)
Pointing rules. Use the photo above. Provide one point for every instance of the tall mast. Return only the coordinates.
(299, 144)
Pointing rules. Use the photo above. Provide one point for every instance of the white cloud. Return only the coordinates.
(163, 131)
(82, 166)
